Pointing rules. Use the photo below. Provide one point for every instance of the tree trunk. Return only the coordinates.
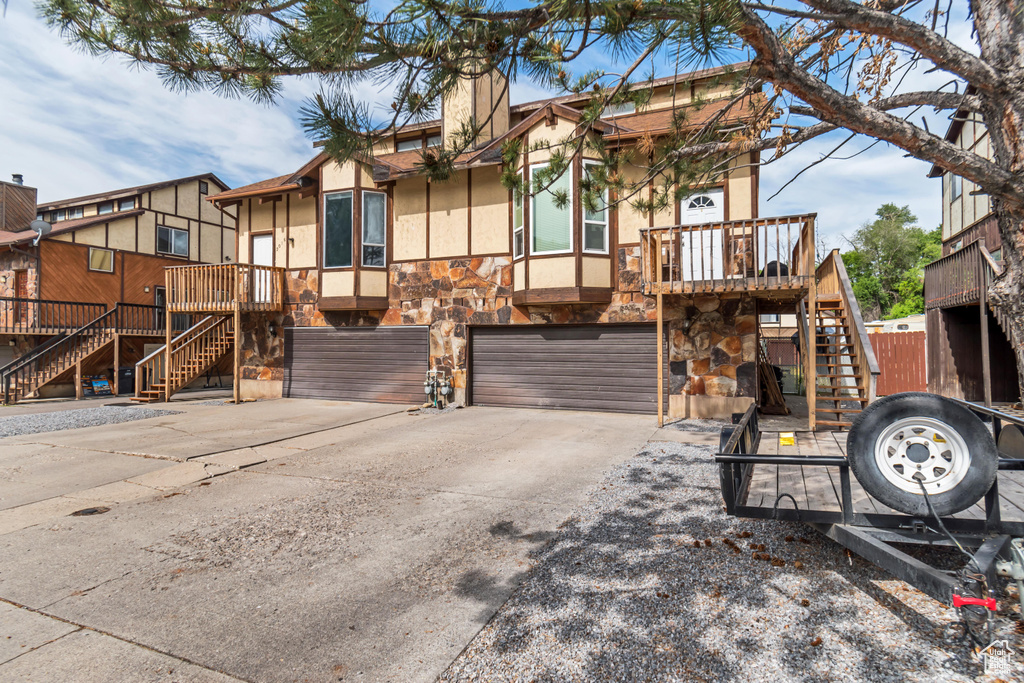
(1000, 30)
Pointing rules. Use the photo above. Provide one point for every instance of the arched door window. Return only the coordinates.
(706, 207)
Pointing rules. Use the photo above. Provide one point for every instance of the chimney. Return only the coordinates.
(472, 100)
(17, 205)
(17, 179)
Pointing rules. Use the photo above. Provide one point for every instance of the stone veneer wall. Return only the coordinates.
(712, 348)
(11, 261)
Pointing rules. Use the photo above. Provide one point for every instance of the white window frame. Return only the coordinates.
(572, 206)
(362, 231)
(583, 215)
(101, 270)
(955, 183)
(171, 242)
(352, 227)
(621, 109)
(521, 228)
(770, 318)
(76, 212)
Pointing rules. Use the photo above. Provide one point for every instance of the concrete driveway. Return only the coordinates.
(281, 540)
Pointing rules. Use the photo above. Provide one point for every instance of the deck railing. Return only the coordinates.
(223, 287)
(755, 254)
(956, 279)
(43, 316)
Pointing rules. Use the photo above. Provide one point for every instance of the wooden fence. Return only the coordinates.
(901, 357)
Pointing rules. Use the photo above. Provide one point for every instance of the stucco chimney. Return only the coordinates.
(474, 99)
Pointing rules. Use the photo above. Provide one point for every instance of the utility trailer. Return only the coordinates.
(824, 486)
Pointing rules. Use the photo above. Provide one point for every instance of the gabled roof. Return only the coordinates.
(129, 191)
(960, 117)
(10, 238)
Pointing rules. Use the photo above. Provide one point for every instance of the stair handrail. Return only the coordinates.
(862, 340)
(212, 333)
(154, 359)
(74, 338)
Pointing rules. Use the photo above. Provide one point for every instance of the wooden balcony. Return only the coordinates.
(959, 278)
(766, 256)
(224, 288)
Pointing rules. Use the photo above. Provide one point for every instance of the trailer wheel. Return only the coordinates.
(904, 440)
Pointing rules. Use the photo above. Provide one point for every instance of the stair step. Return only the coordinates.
(837, 411)
(819, 397)
(856, 376)
(832, 423)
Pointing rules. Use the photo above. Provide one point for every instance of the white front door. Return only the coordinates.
(262, 255)
(700, 256)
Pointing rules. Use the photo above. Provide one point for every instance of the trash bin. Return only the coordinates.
(126, 380)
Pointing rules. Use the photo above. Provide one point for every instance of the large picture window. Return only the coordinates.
(171, 241)
(374, 221)
(551, 226)
(595, 223)
(338, 230)
(518, 232)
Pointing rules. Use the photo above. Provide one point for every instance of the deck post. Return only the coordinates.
(812, 331)
(660, 334)
(986, 365)
(117, 362)
(167, 343)
(236, 390)
(78, 380)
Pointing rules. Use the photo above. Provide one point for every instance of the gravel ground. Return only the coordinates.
(17, 425)
(651, 581)
(698, 425)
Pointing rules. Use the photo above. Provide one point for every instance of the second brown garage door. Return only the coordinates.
(380, 364)
(577, 367)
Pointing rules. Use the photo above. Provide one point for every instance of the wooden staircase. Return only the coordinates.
(193, 353)
(56, 357)
(846, 369)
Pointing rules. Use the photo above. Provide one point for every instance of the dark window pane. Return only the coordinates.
(593, 237)
(180, 242)
(373, 256)
(338, 230)
(163, 240)
(519, 243)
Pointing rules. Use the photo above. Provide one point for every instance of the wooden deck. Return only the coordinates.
(817, 487)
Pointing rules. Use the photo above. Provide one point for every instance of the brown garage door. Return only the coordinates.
(577, 367)
(383, 364)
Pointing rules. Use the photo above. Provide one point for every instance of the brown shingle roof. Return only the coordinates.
(114, 194)
(279, 184)
(62, 227)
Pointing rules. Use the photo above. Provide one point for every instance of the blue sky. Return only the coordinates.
(75, 124)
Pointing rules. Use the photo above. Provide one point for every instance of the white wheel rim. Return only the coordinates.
(922, 449)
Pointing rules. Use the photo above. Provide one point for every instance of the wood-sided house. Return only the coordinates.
(364, 275)
(103, 251)
(969, 354)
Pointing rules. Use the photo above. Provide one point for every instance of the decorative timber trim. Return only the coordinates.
(353, 303)
(563, 295)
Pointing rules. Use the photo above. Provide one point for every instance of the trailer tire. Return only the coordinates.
(904, 439)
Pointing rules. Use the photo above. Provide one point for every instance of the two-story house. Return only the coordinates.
(102, 251)
(355, 279)
(969, 354)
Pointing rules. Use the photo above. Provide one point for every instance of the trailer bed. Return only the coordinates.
(818, 488)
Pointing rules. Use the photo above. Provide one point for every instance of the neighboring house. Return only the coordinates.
(103, 250)
(366, 275)
(911, 323)
(969, 354)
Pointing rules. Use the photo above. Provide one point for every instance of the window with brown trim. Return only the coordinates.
(101, 260)
(171, 241)
(374, 222)
(105, 207)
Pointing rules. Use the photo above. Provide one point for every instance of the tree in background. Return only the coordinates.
(886, 264)
(824, 65)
